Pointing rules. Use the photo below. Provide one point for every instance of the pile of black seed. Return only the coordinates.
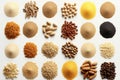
(108, 71)
(107, 30)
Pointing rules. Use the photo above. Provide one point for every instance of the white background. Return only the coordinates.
(57, 19)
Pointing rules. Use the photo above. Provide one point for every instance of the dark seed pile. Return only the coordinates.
(108, 71)
(69, 50)
(69, 30)
(107, 30)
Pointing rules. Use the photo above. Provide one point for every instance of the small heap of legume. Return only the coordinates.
(108, 71)
(49, 29)
(69, 50)
(69, 10)
(69, 30)
(30, 9)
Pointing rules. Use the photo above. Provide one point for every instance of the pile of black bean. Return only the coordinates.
(108, 71)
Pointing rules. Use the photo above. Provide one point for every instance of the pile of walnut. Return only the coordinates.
(88, 70)
(49, 29)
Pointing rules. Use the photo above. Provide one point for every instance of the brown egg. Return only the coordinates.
(88, 30)
(107, 10)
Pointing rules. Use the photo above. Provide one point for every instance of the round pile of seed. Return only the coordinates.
(107, 10)
(69, 10)
(88, 50)
(30, 50)
(108, 71)
(30, 29)
(10, 71)
(11, 50)
(69, 50)
(88, 70)
(107, 30)
(107, 50)
(49, 70)
(69, 30)
(49, 9)
(11, 9)
(30, 70)
(12, 30)
(49, 29)
(30, 9)
(49, 49)
(87, 30)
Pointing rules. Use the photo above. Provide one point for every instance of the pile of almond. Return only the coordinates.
(49, 29)
(88, 70)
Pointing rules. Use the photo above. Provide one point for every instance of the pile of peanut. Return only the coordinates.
(69, 10)
(88, 70)
(49, 29)
(30, 9)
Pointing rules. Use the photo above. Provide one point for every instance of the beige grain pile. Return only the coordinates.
(49, 49)
(49, 70)
(30, 70)
(107, 50)
(49, 9)
(10, 71)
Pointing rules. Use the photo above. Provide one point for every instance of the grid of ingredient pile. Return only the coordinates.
(59, 40)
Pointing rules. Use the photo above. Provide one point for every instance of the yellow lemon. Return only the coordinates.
(69, 70)
(88, 10)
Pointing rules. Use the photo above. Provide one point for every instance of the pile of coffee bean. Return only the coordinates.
(108, 71)
(88, 70)
(69, 30)
(69, 10)
(69, 50)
